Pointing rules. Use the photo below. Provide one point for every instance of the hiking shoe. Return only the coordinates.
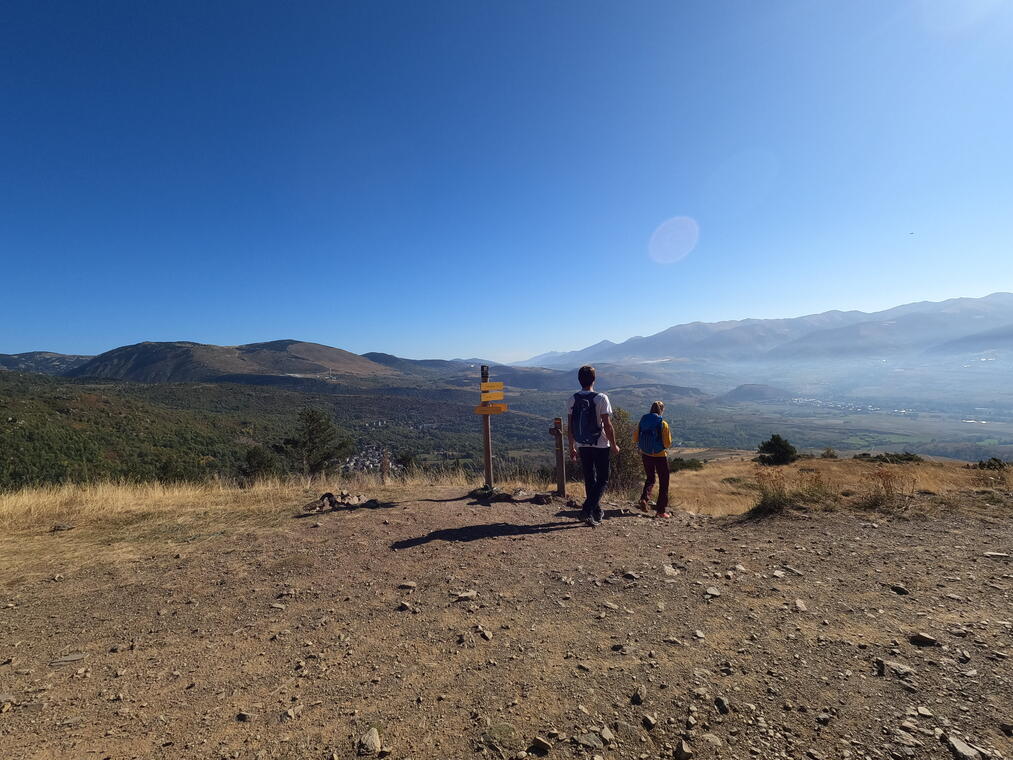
(663, 514)
(591, 523)
(644, 505)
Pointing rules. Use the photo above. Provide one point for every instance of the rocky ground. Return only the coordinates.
(437, 627)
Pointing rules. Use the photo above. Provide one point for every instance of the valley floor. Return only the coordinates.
(457, 628)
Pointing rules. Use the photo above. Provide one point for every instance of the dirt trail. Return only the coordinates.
(453, 627)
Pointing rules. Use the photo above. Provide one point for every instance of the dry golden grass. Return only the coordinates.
(723, 487)
(729, 486)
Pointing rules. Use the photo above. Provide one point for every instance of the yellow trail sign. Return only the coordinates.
(487, 386)
(491, 409)
(492, 396)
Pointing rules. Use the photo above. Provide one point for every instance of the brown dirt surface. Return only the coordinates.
(456, 628)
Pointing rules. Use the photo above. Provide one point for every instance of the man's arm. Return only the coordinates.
(606, 423)
(572, 441)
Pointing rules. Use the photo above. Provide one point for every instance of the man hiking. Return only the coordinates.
(589, 431)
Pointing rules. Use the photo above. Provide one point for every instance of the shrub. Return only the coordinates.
(626, 471)
(779, 495)
(776, 451)
(993, 463)
(885, 485)
(889, 458)
(260, 463)
(828, 453)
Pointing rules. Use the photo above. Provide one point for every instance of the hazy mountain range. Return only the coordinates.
(960, 349)
(959, 325)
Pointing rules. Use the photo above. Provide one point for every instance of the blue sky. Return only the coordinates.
(470, 178)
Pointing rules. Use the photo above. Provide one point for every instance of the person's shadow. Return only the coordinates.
(478, 532)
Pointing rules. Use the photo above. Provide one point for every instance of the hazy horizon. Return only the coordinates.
(458, 355)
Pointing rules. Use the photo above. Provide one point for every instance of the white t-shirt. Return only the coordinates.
(602, 406)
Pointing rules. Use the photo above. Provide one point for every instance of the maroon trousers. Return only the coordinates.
(656, 469)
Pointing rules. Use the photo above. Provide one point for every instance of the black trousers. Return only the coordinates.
(594, 461)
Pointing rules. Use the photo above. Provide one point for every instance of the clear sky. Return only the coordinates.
(494, 179)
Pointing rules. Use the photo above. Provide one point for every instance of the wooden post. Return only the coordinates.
(487, 434)
(384, 467)
(557, 432)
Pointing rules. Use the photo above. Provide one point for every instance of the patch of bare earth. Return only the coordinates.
(455, 629)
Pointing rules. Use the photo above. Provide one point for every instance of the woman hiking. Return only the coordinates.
(653, 437)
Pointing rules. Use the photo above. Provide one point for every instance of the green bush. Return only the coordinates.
(992, 463)
(776, 451)
(675, 464)
(889, 458)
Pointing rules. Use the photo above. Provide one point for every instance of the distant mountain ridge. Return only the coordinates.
(185, 361)
(42, 362)
(910, 328)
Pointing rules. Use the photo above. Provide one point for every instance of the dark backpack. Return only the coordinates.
(585, 424)
(649, 434)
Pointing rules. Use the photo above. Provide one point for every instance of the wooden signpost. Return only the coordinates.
(556, 431)
(491, 391)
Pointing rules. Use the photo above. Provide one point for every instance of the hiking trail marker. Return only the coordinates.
(556, 431)
(491, 391)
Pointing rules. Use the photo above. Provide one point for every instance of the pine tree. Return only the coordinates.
(776, 451)
(317, 444)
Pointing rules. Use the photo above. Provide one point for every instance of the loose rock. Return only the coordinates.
(369, 743)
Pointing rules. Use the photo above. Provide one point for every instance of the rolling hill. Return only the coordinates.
(183, 361)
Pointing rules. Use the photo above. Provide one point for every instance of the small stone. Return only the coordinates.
(369, 743)
(711, 739)
(649, 721)
(683, 751)
(960, 749)
(898, 669)
(923, 640)
(712, 592)
(277, 606)
(722, 705)
(699, 634)
(900, 590)
(823, 719)
(924, 712)
(244, 717)
(538, 744)
(607, 736)
(408, 586)
(800, 606)
(589, 740)
(1007, 727)
(464, 596)
(669, 571)
(67, 659)
(638, 696)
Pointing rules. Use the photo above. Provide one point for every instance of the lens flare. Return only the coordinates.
(674, 240)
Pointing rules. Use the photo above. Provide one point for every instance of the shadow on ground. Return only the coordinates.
(479, 532)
